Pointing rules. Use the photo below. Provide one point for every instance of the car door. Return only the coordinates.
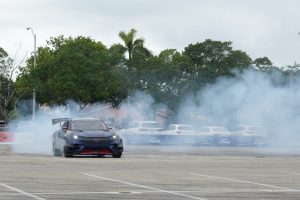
(62, 135)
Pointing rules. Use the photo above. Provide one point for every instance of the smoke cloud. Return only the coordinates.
(251, 97)
(34, 136)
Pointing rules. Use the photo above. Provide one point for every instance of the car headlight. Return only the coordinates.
(75, 137)
(114, 137)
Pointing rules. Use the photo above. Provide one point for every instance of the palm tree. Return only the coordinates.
(130, 42)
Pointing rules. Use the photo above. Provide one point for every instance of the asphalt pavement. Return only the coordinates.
(154, 172)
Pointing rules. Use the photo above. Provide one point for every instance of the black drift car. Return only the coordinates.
(85, 136)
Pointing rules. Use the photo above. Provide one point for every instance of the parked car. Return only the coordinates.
(181, 129)
(248, 135)
(179, 134)
(214, 135)
(142, 132)
(144, 126)
(85, 136)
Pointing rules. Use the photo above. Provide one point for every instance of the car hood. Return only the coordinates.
(93, 133)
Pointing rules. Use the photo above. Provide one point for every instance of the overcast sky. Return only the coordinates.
(259, 27)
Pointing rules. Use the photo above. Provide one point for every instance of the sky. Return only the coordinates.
(259, 27)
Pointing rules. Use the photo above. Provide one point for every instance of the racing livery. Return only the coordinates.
(85, 136)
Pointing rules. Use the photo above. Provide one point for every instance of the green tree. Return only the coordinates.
(162, 78)
(212, 59)
(74, 68)
(138, 60)
(8, 68)
(237, 59)
(263, 64)
(132, 44)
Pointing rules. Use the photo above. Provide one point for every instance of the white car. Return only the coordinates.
(214, 135)
(142, 132)
(181, 129)
(179, 134)
(143, 127)
(250, 135)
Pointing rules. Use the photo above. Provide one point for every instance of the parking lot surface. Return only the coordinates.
(154, 172)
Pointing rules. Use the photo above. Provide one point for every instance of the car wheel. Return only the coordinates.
(66, 153)
(118, 155)
(56, 152)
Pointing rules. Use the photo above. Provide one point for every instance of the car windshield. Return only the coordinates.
(88, 125)
(150, 125)
(186, 128)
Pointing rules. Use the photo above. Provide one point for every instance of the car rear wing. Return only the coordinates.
(58, 120)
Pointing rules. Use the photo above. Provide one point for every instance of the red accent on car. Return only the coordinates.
(95, 151)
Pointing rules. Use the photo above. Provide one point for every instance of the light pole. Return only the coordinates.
(34, 65)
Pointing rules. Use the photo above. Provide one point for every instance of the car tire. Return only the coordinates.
(118, 155)
(66, 153)
(56, 152)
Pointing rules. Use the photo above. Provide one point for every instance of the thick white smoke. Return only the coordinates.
(251, 98)
(35, 135)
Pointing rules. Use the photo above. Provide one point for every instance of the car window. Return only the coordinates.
(65, 125)
(87, 125)
(186, 128)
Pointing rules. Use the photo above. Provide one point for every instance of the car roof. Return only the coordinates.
(144, 121)
(180, 125)
(85, 119)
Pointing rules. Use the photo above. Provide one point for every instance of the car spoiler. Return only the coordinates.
(58, 120)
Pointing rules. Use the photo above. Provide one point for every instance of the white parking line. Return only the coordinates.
(148, 192)
(21, 191)
(70, 193)
(243, 181)
(143, 186)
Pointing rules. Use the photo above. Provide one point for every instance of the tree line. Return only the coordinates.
(87, 71)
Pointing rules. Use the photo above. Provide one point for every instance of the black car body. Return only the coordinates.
(85, 136)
